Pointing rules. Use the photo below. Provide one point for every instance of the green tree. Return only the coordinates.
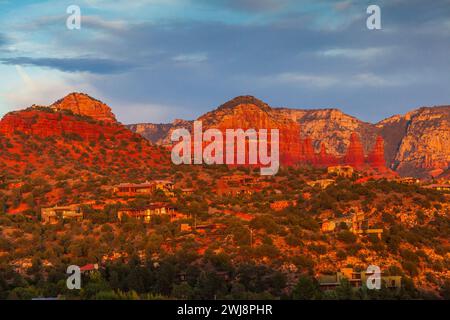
(306, 289)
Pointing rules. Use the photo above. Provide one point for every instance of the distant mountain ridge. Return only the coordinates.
(415, 144)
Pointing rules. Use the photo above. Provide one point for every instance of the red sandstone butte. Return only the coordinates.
(83, 104)
(355, 152)
(250, 113)
(376, 156)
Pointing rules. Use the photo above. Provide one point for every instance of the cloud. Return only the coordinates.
(191, 58)
(343, 5)
(145, 112)
(3, 40)
(89, 21)
(92, 65)
(309, 80)
(324, 81)
(99, 23)
(256, 5)
(135, 4)
(29, 87)
(355, 53)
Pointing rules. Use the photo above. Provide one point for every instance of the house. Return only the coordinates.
(55, 214)
(377, 232)
(331, 225)
(356, 279)
(439, 187)
(165, 186)
(323, 183)
(89, 268)
(234, 191)
(408, 180)
(236, 180)
(236, 184)
(145, 213)
(134, 188)
(147, 187)
(341, 171)
(187, 191)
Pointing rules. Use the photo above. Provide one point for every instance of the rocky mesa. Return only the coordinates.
(415, 144)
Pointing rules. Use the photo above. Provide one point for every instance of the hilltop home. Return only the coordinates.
(358, 223)
(342, 171)
(356, 279)
(148, 187)
(55, 214)
(438, 187)
(323, 183)
(237, 184)
(145, 213)
(408, 180)
(187, 191)
(89, 268)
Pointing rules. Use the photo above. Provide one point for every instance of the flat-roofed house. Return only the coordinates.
(134, 188)
(236, 184)
(145, 213)
(165, 186)
(438, 187)
(356, 279)
(56, 214)
(147, 187)
(187, 191)
(342, 171)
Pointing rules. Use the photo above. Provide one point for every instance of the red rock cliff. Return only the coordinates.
(83, 104)
(376, 157)
(355, 152)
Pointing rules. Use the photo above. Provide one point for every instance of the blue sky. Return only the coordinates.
(157, 60)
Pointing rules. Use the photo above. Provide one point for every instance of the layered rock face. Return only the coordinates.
(376, 157)
(313, 145)
(415, 144)
(250, 113)
(331, 127)
(424, 147)
(49, 121)
(159, 133)
(46, 124)
(82, 104)
(247, 112)
(39, 138)
(324, 159)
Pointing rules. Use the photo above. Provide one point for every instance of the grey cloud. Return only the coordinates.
(3, 40)
(99, 66)
(250, 5)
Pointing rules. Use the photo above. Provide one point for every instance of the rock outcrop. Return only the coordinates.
(42, 138)
(159, 133)
(83, 104)
(423, 142)
(331, 127)
(247, 112)
(376, 156)
(415, 144)
(355, 153)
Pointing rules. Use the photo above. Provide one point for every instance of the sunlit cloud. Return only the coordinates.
(356, 53)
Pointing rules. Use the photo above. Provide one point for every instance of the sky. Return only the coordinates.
(160, 60)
